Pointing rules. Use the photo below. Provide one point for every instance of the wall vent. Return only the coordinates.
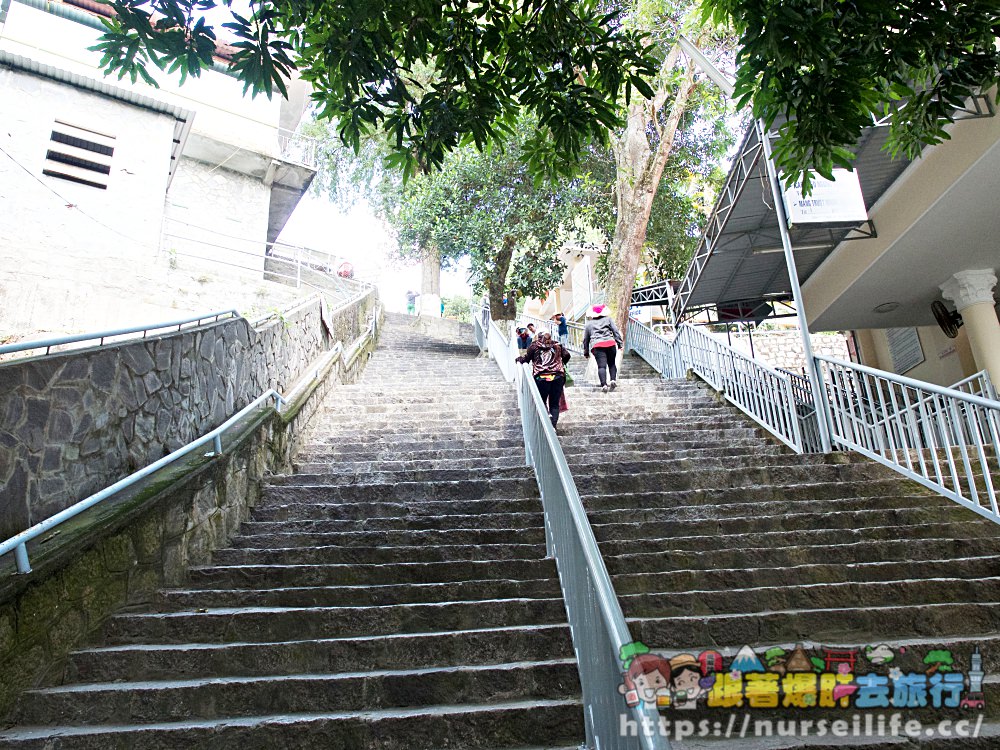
(79, 155)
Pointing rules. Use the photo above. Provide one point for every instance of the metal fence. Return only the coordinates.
(119, 334)
(595, 617)
(575, 343)
(763, 393)
(944, 438)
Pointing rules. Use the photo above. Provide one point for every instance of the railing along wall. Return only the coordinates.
(349, 361)
(81, 419)
(947, 439)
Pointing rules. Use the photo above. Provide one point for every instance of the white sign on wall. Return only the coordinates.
(904, 348)
(831, 201)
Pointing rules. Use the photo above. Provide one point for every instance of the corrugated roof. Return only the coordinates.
(740, 256)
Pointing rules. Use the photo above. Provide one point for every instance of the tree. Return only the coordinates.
(938, 660)
(829, 68)
(430, 75)
(649, 141)
(488, 206)
(458, 308)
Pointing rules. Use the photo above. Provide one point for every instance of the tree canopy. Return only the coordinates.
(488, 207)
(431, 74)
(824, 70)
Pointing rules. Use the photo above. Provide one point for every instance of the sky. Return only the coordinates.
(361, 238)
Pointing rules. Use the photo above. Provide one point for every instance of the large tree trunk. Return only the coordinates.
(497, 284)
(640, 159)
(430, 285)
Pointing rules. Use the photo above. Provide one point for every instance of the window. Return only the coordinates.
(79, 155)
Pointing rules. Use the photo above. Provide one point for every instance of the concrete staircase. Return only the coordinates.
(391, 593)
(717, 537)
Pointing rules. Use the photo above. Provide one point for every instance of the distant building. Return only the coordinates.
(109, 186)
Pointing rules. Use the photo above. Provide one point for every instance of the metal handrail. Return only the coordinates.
(576, 331)
(763, 393)
(943, 438)
(501, 350)
(596, 621)
(18, 543)
(479, 331)
(47, 344)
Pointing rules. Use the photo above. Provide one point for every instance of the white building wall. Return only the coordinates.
(224, 114)
(59, 241)
(217, 215)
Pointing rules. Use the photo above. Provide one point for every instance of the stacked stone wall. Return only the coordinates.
(76, 422)
(131, 550)
(784, 349)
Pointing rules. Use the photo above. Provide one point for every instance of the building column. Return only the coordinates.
(972, 293)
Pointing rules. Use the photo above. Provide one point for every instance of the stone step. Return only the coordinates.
(844, 552)
(312, 656)
(443, 522)
(425, 436)
(805, 491)
(470, 489)
(258, 624)
(704, 602)
(652, 462)
(276, 575)
(491, 510)
(210, 697)
(727, 478)
(379, 554)
(365, 595)
(470, 418)
(809, 538)
(502, 459)
(791, 523)
(487, 445)
(392, 537)
(737, 509)
(841, 624)
(682, 581)
(385, 477)
(468, 725)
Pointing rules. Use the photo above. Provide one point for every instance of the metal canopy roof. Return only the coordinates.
(740, 256)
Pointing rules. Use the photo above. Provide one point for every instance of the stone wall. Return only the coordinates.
(76, 422)
(784, 348)
(123, 557)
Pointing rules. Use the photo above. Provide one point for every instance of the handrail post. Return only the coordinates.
(793, 279)
(21, 558)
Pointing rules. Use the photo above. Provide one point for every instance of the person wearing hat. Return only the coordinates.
(602, 338)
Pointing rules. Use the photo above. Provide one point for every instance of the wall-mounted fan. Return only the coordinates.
(949, 320)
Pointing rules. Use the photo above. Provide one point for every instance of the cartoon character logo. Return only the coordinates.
(880, 654)
(646, 678)
(688, 682)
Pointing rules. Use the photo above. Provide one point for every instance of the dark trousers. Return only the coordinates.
(551, 393)
(605, 358)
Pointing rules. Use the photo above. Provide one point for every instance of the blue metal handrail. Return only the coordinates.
(47, 344)
(597, 623)
(18, 543)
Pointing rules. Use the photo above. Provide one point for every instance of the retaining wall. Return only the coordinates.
(122, 554)
(73, 423)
